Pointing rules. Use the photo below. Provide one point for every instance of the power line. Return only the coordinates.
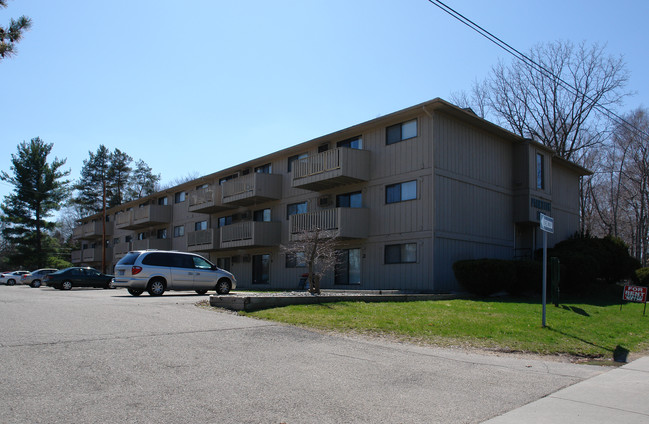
(530, 62)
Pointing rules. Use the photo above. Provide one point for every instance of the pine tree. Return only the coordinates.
(10, 35)
(39, 190)
(119, 176)
(93, 181)
(143, 181)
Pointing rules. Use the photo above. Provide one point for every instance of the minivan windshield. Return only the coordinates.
(129, 258)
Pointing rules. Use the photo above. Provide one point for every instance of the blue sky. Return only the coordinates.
(195, 86)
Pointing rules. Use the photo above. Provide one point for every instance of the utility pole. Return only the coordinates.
(103, 228)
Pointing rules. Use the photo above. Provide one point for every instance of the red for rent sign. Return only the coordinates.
(635, 294)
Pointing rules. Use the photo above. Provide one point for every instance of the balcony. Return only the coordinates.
(250, 234)
(336, 222)
(92, 230)
(203, 240)
(142, 217)
(207, 200)
(252, 188)
(95, 255)
(331, 168)
(158, 244)
(121, 249)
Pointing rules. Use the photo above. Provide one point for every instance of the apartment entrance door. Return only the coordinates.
(260, 269)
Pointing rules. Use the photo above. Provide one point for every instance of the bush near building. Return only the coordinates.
(485, 277)
(642, 276)
(585, 262)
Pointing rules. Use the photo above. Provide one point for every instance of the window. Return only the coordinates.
(295, 208)
(179, 197)
(349, 200)
(201, 263)
(295, 260)
(264, 169)
(348, 267)
(200, 225)
(540, 172)
(128, 239)
(401, 192)
(323, 148)
(400, 253)
(162, 233)
(179, 231)
(225, 220)
(202, 186)
(115, 241)
(294, 158)
(400, 132)
(351, 143)
(163, 201)
(141, 236)
(261, 215)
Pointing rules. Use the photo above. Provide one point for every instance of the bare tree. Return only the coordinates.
(317, 249)
(559, 102)
(635, 172)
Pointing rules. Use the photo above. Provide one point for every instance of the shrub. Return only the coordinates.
(484, 277)
(585, 260)
(642, 275)
(528, 277)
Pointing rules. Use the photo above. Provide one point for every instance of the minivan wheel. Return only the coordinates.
(35, 284)
(223, 286)
(201, 292)
(156, 288)
(66, 285)
(135, 292)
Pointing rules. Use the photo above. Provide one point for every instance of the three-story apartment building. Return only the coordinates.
(406, 195)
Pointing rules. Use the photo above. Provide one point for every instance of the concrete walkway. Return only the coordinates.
(618, 396)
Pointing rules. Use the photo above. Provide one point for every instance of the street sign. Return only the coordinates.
(547, 223)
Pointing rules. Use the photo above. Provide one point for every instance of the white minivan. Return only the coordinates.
(157, 271)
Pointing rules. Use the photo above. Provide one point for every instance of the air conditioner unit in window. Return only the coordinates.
(324, 201)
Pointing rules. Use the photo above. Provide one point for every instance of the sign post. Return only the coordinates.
(547, 226)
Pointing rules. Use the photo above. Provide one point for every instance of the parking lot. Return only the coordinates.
(92, 355)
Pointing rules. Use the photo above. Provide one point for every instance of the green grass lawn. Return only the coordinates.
(583, 328)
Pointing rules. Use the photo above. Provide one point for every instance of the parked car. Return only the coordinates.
(12, 277)
(77, 276)
(157, 271)
(35, 278)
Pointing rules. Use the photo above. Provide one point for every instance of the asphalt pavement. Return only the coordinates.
(92, 356)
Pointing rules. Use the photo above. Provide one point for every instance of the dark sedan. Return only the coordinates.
(67, 278)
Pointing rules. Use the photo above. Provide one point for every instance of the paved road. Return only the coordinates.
(103, 356)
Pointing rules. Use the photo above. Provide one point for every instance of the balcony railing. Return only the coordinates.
(92, 230)
(95, 255)
(203, 240)
(207, 200)
(159, 244)
(142, 217)
(335, 222)
(252, 188)
(251, 233)
(331, 168)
